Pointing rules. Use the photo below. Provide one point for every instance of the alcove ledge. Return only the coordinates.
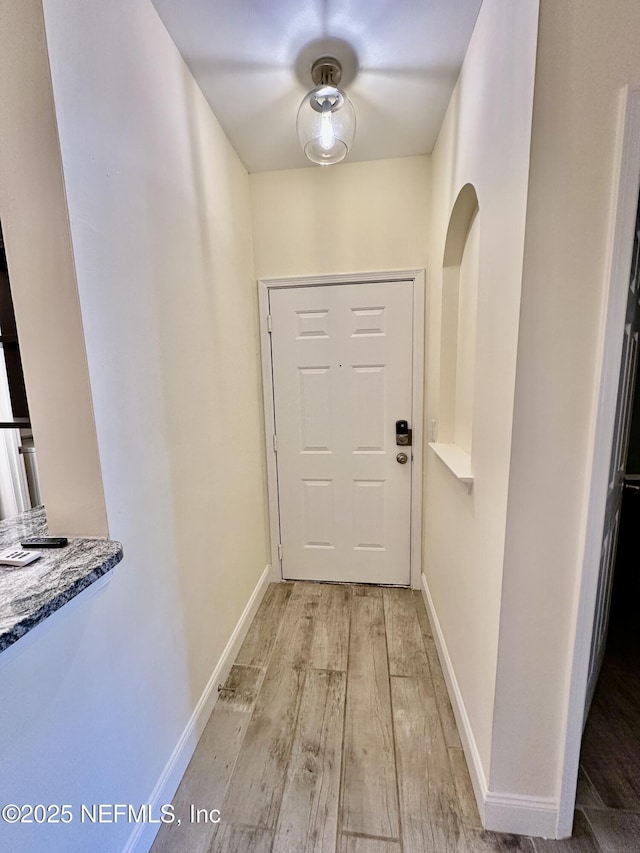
(457, 460)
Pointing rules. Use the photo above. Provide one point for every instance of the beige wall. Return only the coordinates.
(587, 51)
(484, 141)
(160, 222)
(34, 217)
(161, 229)
(354, 217)
(466, 338)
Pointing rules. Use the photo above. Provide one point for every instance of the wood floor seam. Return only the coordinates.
(602, 808)
(323, 669)
(598, 847)
(340, 821)
(393, 731)
(364, 835)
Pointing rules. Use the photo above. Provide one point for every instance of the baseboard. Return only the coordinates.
(476, 770)
(500, 812)
(275, 573)
(535, 816)
(143, 834)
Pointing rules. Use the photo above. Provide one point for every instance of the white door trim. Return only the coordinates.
(624, 204)
(417, 277)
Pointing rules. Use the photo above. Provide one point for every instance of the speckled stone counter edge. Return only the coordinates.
(30, 594)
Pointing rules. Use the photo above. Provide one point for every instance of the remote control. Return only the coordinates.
(17, 557)
(45, 542)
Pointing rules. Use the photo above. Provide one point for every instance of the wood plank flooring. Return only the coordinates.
(209, 772)
(611, 744)
(309, 811)
(334, 734)
(369, 785)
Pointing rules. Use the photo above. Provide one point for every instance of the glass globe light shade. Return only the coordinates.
(326, 125)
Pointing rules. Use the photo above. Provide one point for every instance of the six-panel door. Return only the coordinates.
(342, 373)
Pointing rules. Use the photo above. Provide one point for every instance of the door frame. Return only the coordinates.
(417, 278)
(624, 206)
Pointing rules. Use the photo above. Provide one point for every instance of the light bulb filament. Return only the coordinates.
(327, 137)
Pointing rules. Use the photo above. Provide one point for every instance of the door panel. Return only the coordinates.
(369, 387)
(624, 408)
(342, 376)
(315, 409)
(319, 513)
(370, 508)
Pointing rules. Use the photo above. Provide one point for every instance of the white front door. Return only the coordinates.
(342, 377)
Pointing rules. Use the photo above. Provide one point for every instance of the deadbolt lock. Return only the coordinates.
(403, 434)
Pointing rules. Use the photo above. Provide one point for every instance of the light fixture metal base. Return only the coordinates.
(326, 71)
(326, 46)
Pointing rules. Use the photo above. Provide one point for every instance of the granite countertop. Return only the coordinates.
(31, 593)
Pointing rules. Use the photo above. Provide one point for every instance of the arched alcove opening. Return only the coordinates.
(458, 331)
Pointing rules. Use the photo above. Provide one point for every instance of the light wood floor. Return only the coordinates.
(334, 734)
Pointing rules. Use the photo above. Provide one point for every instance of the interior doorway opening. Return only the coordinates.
(609, 777)
(19, 481)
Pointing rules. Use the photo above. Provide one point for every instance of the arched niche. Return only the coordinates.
(460, 267)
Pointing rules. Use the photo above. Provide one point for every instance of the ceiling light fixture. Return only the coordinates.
(326, 120)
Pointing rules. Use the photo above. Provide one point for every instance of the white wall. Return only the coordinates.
(160, 222)
(587, 53)
(35, 223)
(353, 217)
(485, 141)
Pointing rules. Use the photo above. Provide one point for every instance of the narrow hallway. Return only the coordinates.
(334, 732)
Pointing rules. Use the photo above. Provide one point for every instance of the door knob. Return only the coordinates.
(402, 458)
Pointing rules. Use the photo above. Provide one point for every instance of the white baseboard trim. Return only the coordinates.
(143, 834)
(275, 574)
(535, 816)
(476, 770)
(499, 812)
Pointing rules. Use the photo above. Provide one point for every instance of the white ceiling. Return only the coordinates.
(252, 60)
